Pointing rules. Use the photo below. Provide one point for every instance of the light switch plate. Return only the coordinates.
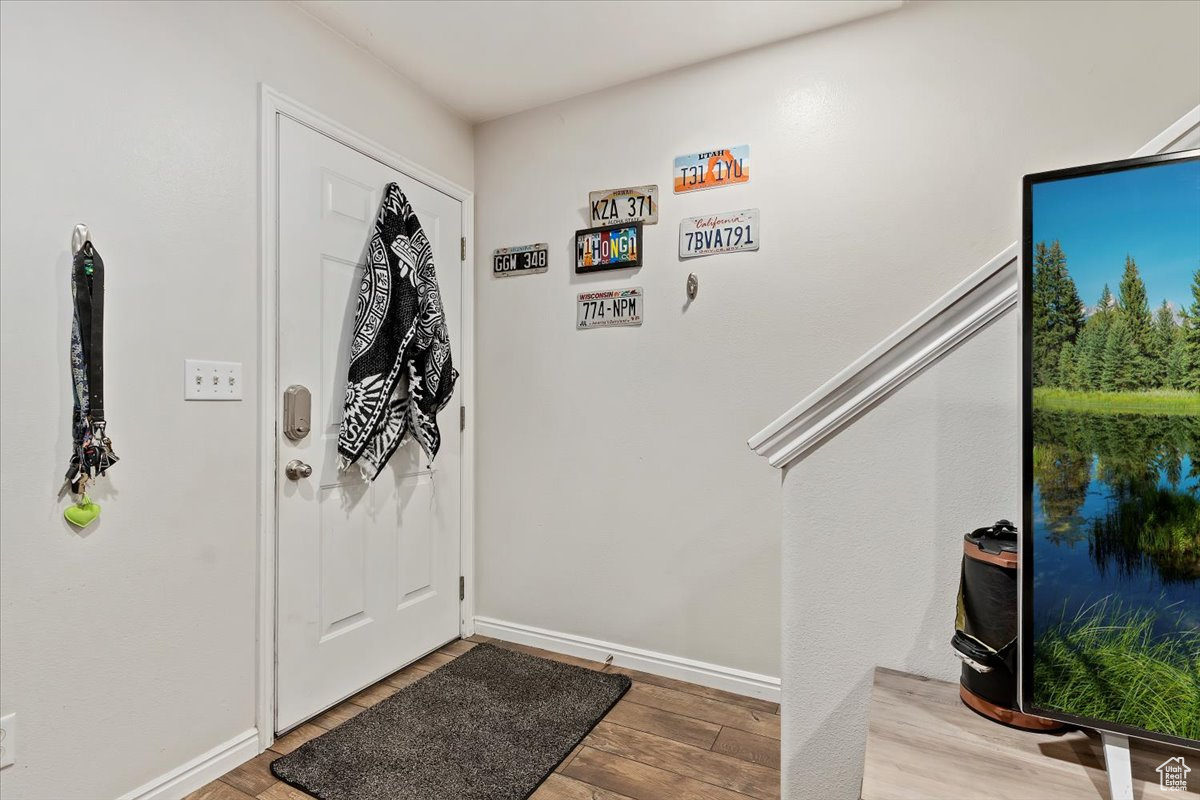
(8, 740)
(212, 380)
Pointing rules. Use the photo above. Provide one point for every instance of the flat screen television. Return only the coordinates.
(1110, 541)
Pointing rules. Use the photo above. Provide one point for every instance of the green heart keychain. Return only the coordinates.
(83, 513)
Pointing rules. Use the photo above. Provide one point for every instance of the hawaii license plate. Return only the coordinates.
(523, 260)
(633, 204)
(611, 247)
(609, 308)
(728, 232)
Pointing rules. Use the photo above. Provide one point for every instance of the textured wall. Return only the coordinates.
(616, 497)
(872, 539)
(873, 520)
(128, 648)
(901, 486)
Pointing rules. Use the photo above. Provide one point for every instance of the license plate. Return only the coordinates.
(633, 204)
(709, 170)
(612, 247)
(523, 260)
(718, 233)
(609, 309)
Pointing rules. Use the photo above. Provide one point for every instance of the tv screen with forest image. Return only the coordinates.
(1110, 548)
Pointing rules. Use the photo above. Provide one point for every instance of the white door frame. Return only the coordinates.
(274, 104)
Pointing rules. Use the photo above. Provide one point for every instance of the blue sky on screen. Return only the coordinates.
(1151, 213)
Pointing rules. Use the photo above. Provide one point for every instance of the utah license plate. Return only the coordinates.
(633, 204)
(718, 233)
(609, 308)
(697, 171)
(527, 258)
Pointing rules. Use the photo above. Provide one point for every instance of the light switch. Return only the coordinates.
(212, 380)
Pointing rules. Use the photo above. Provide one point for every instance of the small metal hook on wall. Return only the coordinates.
(79, 237)
(693, 286)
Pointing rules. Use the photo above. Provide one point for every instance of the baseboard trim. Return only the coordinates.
(748, 684)
(200, 770)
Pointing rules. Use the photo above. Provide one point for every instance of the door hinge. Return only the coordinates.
(462, 418)
(462, 588)
(462, 244)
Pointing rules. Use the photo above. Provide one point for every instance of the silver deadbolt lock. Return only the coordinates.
(297, 412)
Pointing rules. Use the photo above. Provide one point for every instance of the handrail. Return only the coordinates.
(952, 319)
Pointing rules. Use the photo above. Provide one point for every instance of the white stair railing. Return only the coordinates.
(952, 319)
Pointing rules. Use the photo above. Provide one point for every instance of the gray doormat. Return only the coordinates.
(490, 725)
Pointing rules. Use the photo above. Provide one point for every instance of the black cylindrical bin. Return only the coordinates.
(985, 628)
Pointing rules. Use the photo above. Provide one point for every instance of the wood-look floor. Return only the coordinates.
(665, 740)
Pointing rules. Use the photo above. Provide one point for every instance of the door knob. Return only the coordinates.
(297, 469)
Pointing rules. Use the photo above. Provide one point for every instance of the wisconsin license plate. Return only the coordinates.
(718, 233)
(523, 260)
(609, 308)
(612, 247)
(724, 167)
(633, 204)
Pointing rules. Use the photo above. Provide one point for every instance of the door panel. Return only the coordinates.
(367, 572)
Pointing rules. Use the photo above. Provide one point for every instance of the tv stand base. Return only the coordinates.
(1120, 770)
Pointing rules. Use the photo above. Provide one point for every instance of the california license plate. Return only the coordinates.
(523, 260)
(633, 204)
(610, 308)
(611, 247)
(711, 169)
(728, 232)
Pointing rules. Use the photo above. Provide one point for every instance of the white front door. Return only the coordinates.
(367, 572)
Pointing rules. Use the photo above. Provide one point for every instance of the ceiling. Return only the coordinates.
(487, 59)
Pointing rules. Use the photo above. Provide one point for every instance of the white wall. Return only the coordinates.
(128, 648)
(873, 525)
(873, 520)
(887, 500)
(616, 497)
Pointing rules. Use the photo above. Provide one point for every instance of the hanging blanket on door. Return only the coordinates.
(401, 373)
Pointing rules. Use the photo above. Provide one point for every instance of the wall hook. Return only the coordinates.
(79, 237)
(693, 286)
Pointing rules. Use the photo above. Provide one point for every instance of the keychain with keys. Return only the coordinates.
(92, 452)
(84, 511)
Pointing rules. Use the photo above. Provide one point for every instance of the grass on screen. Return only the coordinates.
(1106, 663)
(1162, 401)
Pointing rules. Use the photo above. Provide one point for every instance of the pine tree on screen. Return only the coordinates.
(1057, 311)
(1067, 378)
(1177, 362)
(1118, 374)
(1191, 337)
(1091, 343)
(1162, 338)
(1135, 309)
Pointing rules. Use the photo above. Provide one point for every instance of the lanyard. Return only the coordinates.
(89, 306)
(92, 454)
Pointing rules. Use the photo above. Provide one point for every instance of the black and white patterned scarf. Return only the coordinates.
(400, 342)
